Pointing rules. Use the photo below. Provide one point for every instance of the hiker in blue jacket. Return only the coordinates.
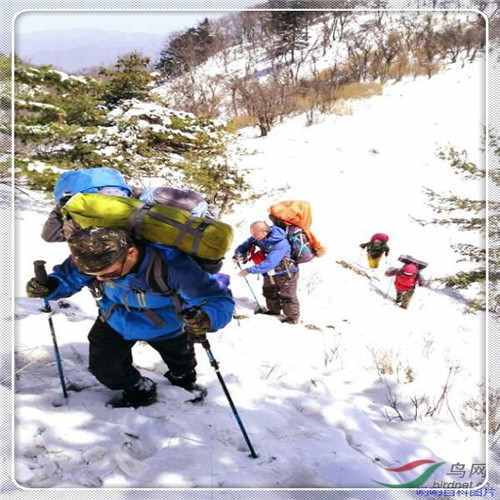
(144, 292)
(280, 272)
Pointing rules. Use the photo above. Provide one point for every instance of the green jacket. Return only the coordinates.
(376, 250)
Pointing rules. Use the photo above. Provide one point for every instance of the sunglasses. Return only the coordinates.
(113, 274)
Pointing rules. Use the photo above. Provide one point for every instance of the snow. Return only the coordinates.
(64, 76)
(309, 394)
(36, 105)
(132, 108)
(40, 167)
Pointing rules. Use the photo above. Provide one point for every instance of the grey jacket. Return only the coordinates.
(56, 229)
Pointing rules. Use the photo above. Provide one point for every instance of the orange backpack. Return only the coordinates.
(298, 213)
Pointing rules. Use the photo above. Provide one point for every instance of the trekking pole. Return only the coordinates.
(215, 365)
(259, 308)
(42, 278)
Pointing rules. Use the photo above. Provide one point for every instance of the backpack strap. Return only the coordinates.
(155, 273)
(136, 219)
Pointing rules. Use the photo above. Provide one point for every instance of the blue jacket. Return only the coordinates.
(275, 247)
(131, 292)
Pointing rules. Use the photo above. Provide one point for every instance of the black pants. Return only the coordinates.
(281, 294)
(110, 356)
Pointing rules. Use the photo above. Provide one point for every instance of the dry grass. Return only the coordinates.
(303, 103)
(240, 121)
(419, 69)
(388, 363)
(358, 90)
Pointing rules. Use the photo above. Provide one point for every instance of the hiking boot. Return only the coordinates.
(268, 313)
(142, 393)
(290, 321)
(186, 380)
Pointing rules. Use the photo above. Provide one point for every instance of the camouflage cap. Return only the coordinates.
(96, 249)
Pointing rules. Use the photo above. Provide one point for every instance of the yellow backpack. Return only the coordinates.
(204, 238)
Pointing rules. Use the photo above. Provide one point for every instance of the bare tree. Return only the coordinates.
(389, 48)
(359, 50)
(427, 47)
(451, 41)
(259, 100)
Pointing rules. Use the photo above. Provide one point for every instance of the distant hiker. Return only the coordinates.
(281, 274)
(146, 292)
(375, 248)
(407, 278)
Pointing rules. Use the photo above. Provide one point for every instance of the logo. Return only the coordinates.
(420, 480)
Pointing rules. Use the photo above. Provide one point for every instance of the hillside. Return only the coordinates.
(315, 397)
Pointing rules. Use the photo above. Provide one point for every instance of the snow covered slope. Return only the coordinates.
(313, 401)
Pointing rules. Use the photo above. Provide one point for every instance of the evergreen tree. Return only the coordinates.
(467, 214)
(185, 50)
(129, 79)
(290, 27)
(62, 123)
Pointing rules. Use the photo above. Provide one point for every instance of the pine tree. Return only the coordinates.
(467, 214)
(129, 79)
(187, 49)
(62, 123)
(291, 28)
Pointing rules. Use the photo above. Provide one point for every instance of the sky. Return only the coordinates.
(74, 40)
(159, 22)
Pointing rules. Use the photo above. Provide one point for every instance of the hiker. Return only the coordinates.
(280, 272)
(146, 292)
(375, 248)
(405, 282)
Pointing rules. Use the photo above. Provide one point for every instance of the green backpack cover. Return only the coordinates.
(200, 237)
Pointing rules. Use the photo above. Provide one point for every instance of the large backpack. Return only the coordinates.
(296, 218)
(204, 238)
(88, 180)
(405, 282)
(105, 180)
(408, 259)
(100, 179)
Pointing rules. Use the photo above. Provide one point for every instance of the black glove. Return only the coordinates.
(197, 324)
(239, 258)
(35, 289)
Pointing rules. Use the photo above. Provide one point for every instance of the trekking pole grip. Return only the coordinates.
(42, 278)
(40, 272)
